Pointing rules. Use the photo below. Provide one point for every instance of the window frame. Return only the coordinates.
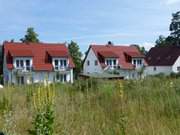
(95, 62)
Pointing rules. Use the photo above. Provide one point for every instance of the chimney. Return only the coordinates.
(109, 44)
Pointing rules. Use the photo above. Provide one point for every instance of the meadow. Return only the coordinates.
(93, 107)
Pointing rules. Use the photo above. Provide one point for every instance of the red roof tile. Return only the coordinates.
(38, 51)
(56, 53)
(108, 54)
(21, 53)
(135, 54)
(117, 51)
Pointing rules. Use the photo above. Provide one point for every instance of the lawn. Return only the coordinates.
(95, 107)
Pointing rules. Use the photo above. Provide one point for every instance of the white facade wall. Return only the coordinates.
(129, 74)
(33, 76)
(92, 68)
(39, 77)
(176, 65)
(153, 70)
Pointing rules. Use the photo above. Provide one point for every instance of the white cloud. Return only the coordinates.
(170, 2)
(148, 45)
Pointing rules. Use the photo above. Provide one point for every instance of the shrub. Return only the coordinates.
(44, 119)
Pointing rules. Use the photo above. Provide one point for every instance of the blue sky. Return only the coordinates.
(88, 21)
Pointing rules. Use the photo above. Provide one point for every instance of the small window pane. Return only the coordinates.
(134, 61)
(65, 63)
(61, 63)
(88, 62)
(96, 63)
(17, 63)
(114, 62)
(27, 62)
(22, 63)
(65, 78)
(56, 62)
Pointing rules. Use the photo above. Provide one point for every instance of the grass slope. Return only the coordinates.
(94, 107)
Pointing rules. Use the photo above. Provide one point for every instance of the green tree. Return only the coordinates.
(141, 49)
(76, 55)
(161, 41)
(31, 36)
(175, 25)
(174, 37)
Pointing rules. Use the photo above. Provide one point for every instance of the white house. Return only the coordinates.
(26, 63)
(123, 61)
(164, 60)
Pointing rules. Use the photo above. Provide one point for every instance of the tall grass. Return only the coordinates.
(96, 107)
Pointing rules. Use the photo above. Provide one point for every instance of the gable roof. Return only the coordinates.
(116, 51)
(163, 56)
(39, 51)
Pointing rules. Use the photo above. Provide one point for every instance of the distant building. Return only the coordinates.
(163, 60)
(121, 61)
(26, 63)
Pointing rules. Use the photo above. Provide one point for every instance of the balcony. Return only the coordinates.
(22, 71)
(61, 69)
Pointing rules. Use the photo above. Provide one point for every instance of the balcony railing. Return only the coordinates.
(61, 69)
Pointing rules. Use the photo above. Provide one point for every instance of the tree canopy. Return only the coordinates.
(174, 37)
(76, 55)
(31, 36)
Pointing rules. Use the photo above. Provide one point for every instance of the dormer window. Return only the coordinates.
(112, 62)
(137, 62)
(23, 63)
(60, 63)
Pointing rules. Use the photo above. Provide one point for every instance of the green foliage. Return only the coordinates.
(141, 49)
(94, 107)
(44, 119)
(31, 36)
(76, 56)
(174, 37)
(43, 122)
(166, 41)
(174, 26)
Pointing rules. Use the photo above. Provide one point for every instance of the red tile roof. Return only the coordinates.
(39, 52)
(135, 54)
(118, 51)
(108, 54)
(163, 56)
(57, 53)
(21, 53)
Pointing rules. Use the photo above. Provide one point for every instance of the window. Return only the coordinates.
(60, 63)
(139, 62)
(65, 78)
(65, 63)
(17, 63)
(178, 69)
(134, 62)
(56, 62)
(21, 63)
(61, 77)
(114, 62)
(57, 77)
(88, 62)
(28, 65)
(154, 69)
(95, 62)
